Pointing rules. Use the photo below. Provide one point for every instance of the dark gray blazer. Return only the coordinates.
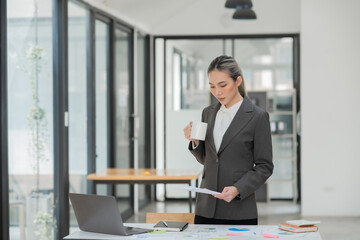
(244, 160)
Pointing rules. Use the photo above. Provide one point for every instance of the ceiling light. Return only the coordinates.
(238, 4)
(244, 14)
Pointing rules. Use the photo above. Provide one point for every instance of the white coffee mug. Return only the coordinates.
(198, 130)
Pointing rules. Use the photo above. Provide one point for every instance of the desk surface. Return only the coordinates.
(219, 232)
(144, 174)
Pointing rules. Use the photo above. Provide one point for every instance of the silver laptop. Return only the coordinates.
(100, 214)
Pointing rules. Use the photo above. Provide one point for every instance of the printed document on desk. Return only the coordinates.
(199, 190)
(202, 231)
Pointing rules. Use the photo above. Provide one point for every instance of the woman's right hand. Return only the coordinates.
(187, 134)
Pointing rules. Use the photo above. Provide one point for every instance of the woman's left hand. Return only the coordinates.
(228, 193)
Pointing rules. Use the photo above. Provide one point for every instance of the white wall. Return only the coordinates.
(330, 97)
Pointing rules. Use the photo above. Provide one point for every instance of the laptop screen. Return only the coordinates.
(95, 213)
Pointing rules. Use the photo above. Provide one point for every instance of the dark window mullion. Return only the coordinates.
(60, 107)
(4, 180)
(111, 102)
(90, 96)
(148, 105)
(131, 110)
(111, 96)
(131, 96)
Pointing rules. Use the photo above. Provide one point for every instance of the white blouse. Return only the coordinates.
(222, 122)
(224, 117)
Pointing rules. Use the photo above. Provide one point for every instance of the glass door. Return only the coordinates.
(140, 125)
(123, 115)
(78, 18)
(101, 97)
(187, 93)
(268, 70)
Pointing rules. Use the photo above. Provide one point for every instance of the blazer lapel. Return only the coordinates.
(211, 123)
(242, 117)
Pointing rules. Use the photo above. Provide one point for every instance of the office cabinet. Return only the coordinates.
(281, 106)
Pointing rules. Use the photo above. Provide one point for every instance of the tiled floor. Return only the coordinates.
(273, 213)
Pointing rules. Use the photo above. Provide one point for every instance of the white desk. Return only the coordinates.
(219, 232)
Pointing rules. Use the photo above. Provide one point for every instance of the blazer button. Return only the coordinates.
(217, 160)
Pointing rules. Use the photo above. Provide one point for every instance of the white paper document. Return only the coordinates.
(199, 190)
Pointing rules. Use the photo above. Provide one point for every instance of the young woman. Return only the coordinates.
(237, 151)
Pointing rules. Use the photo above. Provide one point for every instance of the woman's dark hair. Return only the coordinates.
(228, 65)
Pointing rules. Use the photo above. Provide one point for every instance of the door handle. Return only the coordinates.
(136, 132)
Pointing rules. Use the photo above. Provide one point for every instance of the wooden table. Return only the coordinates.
(145, 176)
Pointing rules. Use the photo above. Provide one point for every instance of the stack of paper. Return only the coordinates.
(299, 226)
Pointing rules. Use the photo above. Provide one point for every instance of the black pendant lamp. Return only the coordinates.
(245, 14)
(238, 4)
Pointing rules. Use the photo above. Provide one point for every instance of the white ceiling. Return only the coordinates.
(182, 17)
(151, 13)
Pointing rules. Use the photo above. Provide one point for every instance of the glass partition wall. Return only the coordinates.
(141, 109)
(123, 113)
(101, 97)
(268, 64)
(92, 70)
(30, 119)
(78, 18)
